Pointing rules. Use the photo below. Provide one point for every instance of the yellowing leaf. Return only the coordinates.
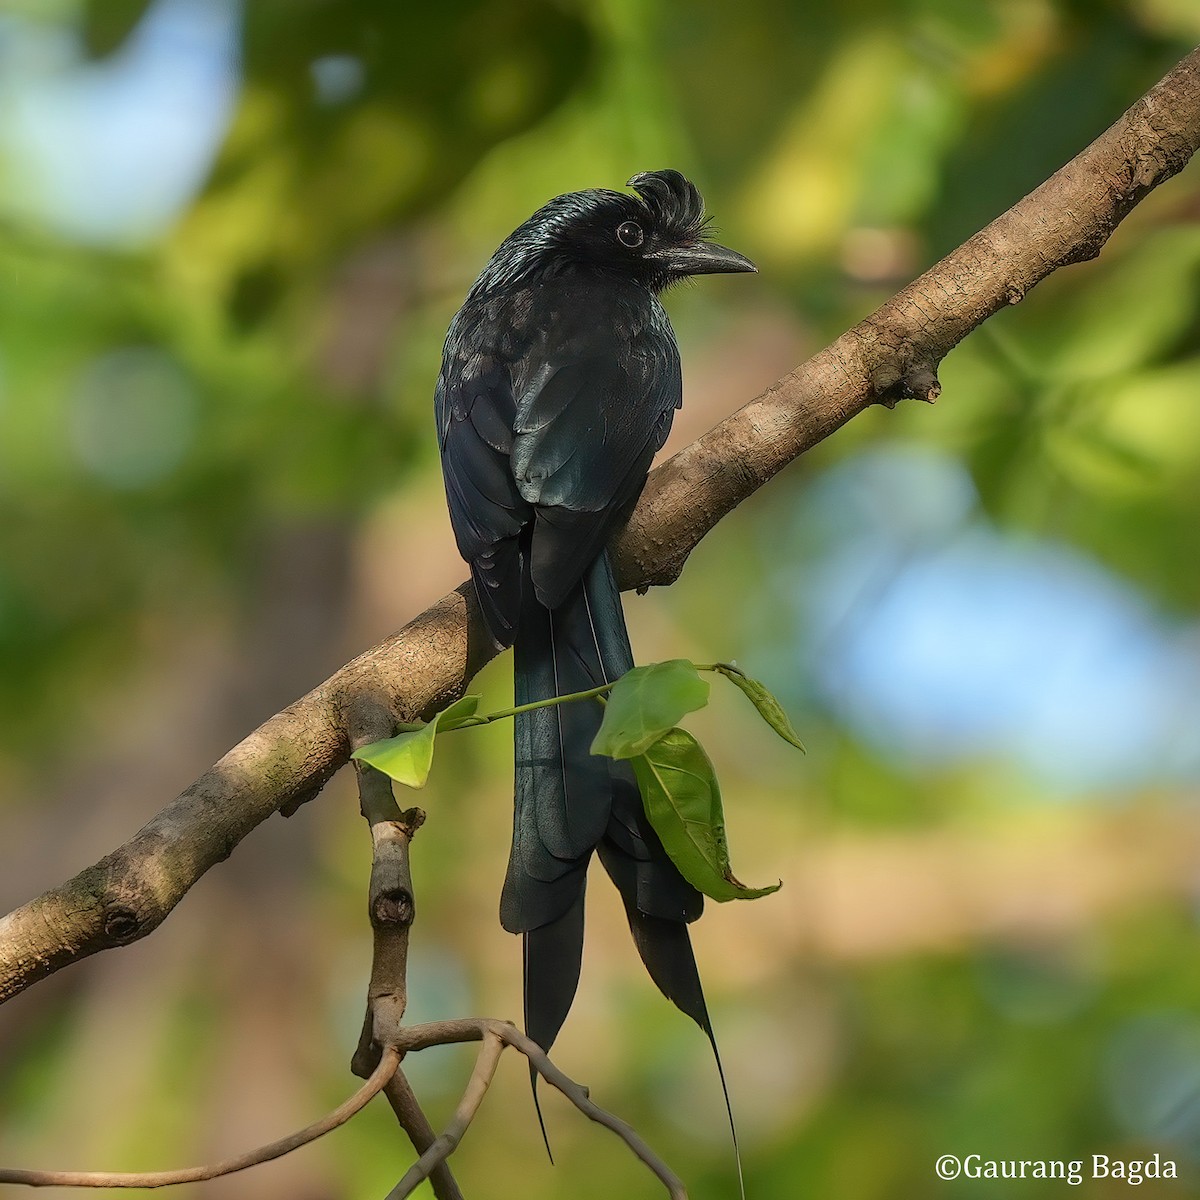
(408, 756)
(768, 707)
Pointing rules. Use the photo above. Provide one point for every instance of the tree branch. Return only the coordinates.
(891, 355)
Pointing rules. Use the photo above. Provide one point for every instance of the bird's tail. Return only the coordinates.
(570, 802)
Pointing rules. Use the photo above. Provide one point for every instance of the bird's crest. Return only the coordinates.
(675, 203)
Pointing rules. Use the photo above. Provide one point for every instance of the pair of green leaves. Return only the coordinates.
(677, 781)
(676, 778)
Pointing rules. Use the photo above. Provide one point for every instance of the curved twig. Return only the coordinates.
(892, 354)
(447, 1141)
(580, 1097)
(415, 1123)
(388, 1063)
(472, 1029)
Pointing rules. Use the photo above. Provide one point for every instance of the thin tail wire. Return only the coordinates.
(533, 1075)
(737, 1152)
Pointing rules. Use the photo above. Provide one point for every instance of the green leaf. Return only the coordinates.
(645, 703)
(408, 756)
(683, 802)
(768, 707)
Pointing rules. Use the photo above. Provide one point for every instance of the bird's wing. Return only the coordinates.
(474, 406)
(589, 419)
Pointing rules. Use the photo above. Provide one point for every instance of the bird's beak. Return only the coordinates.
(702, 258)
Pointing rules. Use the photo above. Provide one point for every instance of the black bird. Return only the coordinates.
(560, 378)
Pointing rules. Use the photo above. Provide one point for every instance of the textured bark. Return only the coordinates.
(891, 355)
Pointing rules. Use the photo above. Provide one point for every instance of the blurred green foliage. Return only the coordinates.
(218, 480)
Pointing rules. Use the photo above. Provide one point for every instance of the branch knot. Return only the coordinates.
(121, 924)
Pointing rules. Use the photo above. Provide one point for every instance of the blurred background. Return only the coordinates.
(231, 238)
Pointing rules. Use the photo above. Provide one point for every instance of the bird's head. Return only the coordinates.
(656, 238)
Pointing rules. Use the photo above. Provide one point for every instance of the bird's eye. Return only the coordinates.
(630, 234)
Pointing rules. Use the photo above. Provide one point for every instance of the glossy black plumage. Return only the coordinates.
(560, 378)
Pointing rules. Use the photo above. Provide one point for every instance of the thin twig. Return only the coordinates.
(579, 1096)
(471, 1029)
(416, 1124)
(447, 1141)
(388, 1063)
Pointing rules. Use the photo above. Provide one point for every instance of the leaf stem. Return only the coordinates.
(570, 698)
(488, 718)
